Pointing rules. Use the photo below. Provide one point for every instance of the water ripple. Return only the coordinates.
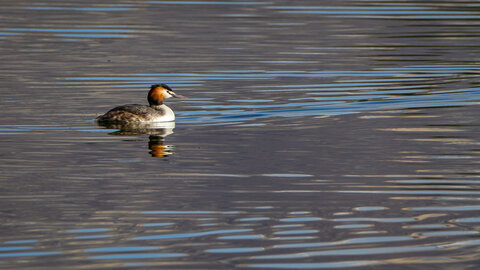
(394, 88)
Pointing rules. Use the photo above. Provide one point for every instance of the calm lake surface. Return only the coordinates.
(317, 135)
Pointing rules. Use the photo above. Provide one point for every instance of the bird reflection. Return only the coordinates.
(159, 149)
(156, 131)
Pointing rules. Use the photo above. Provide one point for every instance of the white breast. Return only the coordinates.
(166, 115)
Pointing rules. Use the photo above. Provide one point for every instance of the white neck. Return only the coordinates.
(158, 107)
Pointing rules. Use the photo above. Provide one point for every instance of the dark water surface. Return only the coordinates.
(317, 135)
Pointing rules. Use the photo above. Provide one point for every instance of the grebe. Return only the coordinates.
(134, 113)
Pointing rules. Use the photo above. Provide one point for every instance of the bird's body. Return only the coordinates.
(138, 113)
(135, 113)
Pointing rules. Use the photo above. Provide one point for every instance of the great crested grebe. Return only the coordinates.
(134, 113)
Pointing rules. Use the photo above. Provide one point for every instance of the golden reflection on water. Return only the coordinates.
(159, 149)
(156, 131)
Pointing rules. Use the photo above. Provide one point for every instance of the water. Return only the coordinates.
(316, 135)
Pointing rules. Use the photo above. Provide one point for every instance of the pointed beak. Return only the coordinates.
(175, 95)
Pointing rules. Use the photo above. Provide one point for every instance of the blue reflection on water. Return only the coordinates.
(93, 236)
(71, 30)
(188, 235)
(137, 256)
(93, 35)
(78, 9)
(120, 249)
(88, 230)
(2, 249)
(206, 3)
(26, 254)
(235, 250)
(20, 242)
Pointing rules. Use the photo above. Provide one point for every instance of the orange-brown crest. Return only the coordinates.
(156, 95)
